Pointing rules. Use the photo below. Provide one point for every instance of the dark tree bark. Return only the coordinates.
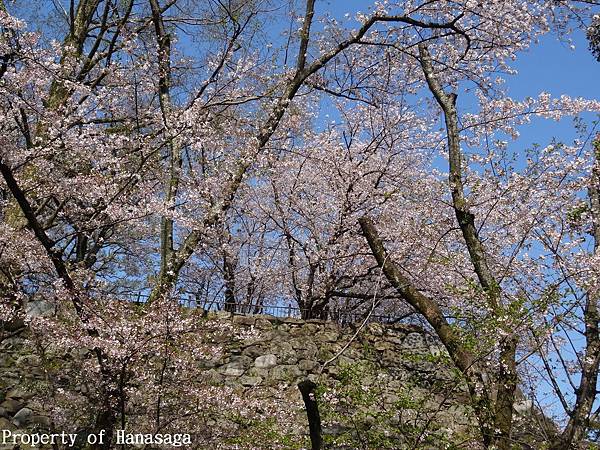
(229, 277)
(307, 389)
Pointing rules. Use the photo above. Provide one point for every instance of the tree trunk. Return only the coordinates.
(105, 421)
(307, 389)
(229, 277)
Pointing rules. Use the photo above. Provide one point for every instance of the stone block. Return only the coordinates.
(263, 324)
(333, 371)
(375, 329)
(222, 315)
(381, 346)
(265, 361)
(307, 365)
(395, 338)
(38, 373)
(296, 332)
(311, 328)
(256, 372)
(328, 336)
(415, 342)
(210, 363)
(22, 417)
(235, 349)
(324, 354)
(253, 351)
(242, 360)
(6, 360)
(310, 351)
(289, 357)
(293, 321)
(250, 381)
(313, 377)
(298, 343)
(233, 370)
(11, 405)
(40, 421)
(286, 372)
(267, 317)
(391, 358)
(6, 424)
(344, 361)
(390, 399)
(213, 377)
(19, 393)
(244, 320)
(319, 322)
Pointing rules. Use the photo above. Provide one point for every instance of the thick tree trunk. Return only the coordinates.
(307, 389)
(464, 360)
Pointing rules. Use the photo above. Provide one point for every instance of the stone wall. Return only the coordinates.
(289, 349)
(386, 380)
(19, 367)
(379, 384)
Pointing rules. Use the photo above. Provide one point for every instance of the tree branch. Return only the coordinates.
(465, 217)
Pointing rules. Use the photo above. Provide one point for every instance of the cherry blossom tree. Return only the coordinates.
(494, 388)
(161, 147)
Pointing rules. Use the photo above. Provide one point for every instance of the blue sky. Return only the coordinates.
(553, 67)
(549, 66)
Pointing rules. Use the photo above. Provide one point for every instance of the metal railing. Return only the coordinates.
(341, 316)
